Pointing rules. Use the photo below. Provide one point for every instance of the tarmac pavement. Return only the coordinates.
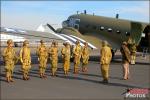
(82, 86)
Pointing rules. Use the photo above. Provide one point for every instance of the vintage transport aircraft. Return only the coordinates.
(86, 27)
(94, 28)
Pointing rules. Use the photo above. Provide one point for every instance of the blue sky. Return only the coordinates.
(30, 14)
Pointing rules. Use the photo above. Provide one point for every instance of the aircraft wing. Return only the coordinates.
(31, 34)
(19, 35)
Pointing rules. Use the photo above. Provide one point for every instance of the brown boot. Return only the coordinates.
(44, 76)
(76, 71)
(83, 69)
(27, 77)
(53, 74)
(11, 80)
(67, 72)
(41, 76)
(7, 79)
(86, 69)
(24, 78)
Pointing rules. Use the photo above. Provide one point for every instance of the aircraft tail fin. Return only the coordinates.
(41, 28)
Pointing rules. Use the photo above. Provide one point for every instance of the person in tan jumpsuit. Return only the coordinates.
(85, 57)
(42, 58)
(9, 60)
(53, 51)
(77, 56)
(105, 60)
(25, 58)
(66, 57)
(125, 59)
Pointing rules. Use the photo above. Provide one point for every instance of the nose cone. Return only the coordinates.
(65, 23)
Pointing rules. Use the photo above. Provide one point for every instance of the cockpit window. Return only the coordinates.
(71, 18)
(77, 21)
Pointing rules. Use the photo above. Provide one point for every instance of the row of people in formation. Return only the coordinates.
(43, 53)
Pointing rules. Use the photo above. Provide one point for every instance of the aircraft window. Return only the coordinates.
(77, 21)
(109, 30)
(102, 28)
(118, 32)
(71, 19)
(127, 33)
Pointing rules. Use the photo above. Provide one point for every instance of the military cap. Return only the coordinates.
(85, 43)
(41, 41)
(77, 42)
(9, 41)
(105, 42)
(67, 43)
(54, 43)
(64, 43)
(26, 42)
(124, 43)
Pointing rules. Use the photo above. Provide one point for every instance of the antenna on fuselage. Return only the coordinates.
(117, 16)
(85, 12)
(93, 14)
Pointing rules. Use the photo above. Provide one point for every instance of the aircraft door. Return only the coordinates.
(76, 25)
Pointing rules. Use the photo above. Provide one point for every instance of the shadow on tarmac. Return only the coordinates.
(98, 82)
(35, 73)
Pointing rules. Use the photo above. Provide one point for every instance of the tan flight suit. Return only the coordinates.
(42, 57)
(133, 53)
(77, 56)
(125, 59)
(85, 57)
(9, 60)
(25, 58)
(105, 59)
(66, 58)
(54, 58)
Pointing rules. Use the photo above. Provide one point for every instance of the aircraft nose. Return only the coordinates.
(65, 23)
